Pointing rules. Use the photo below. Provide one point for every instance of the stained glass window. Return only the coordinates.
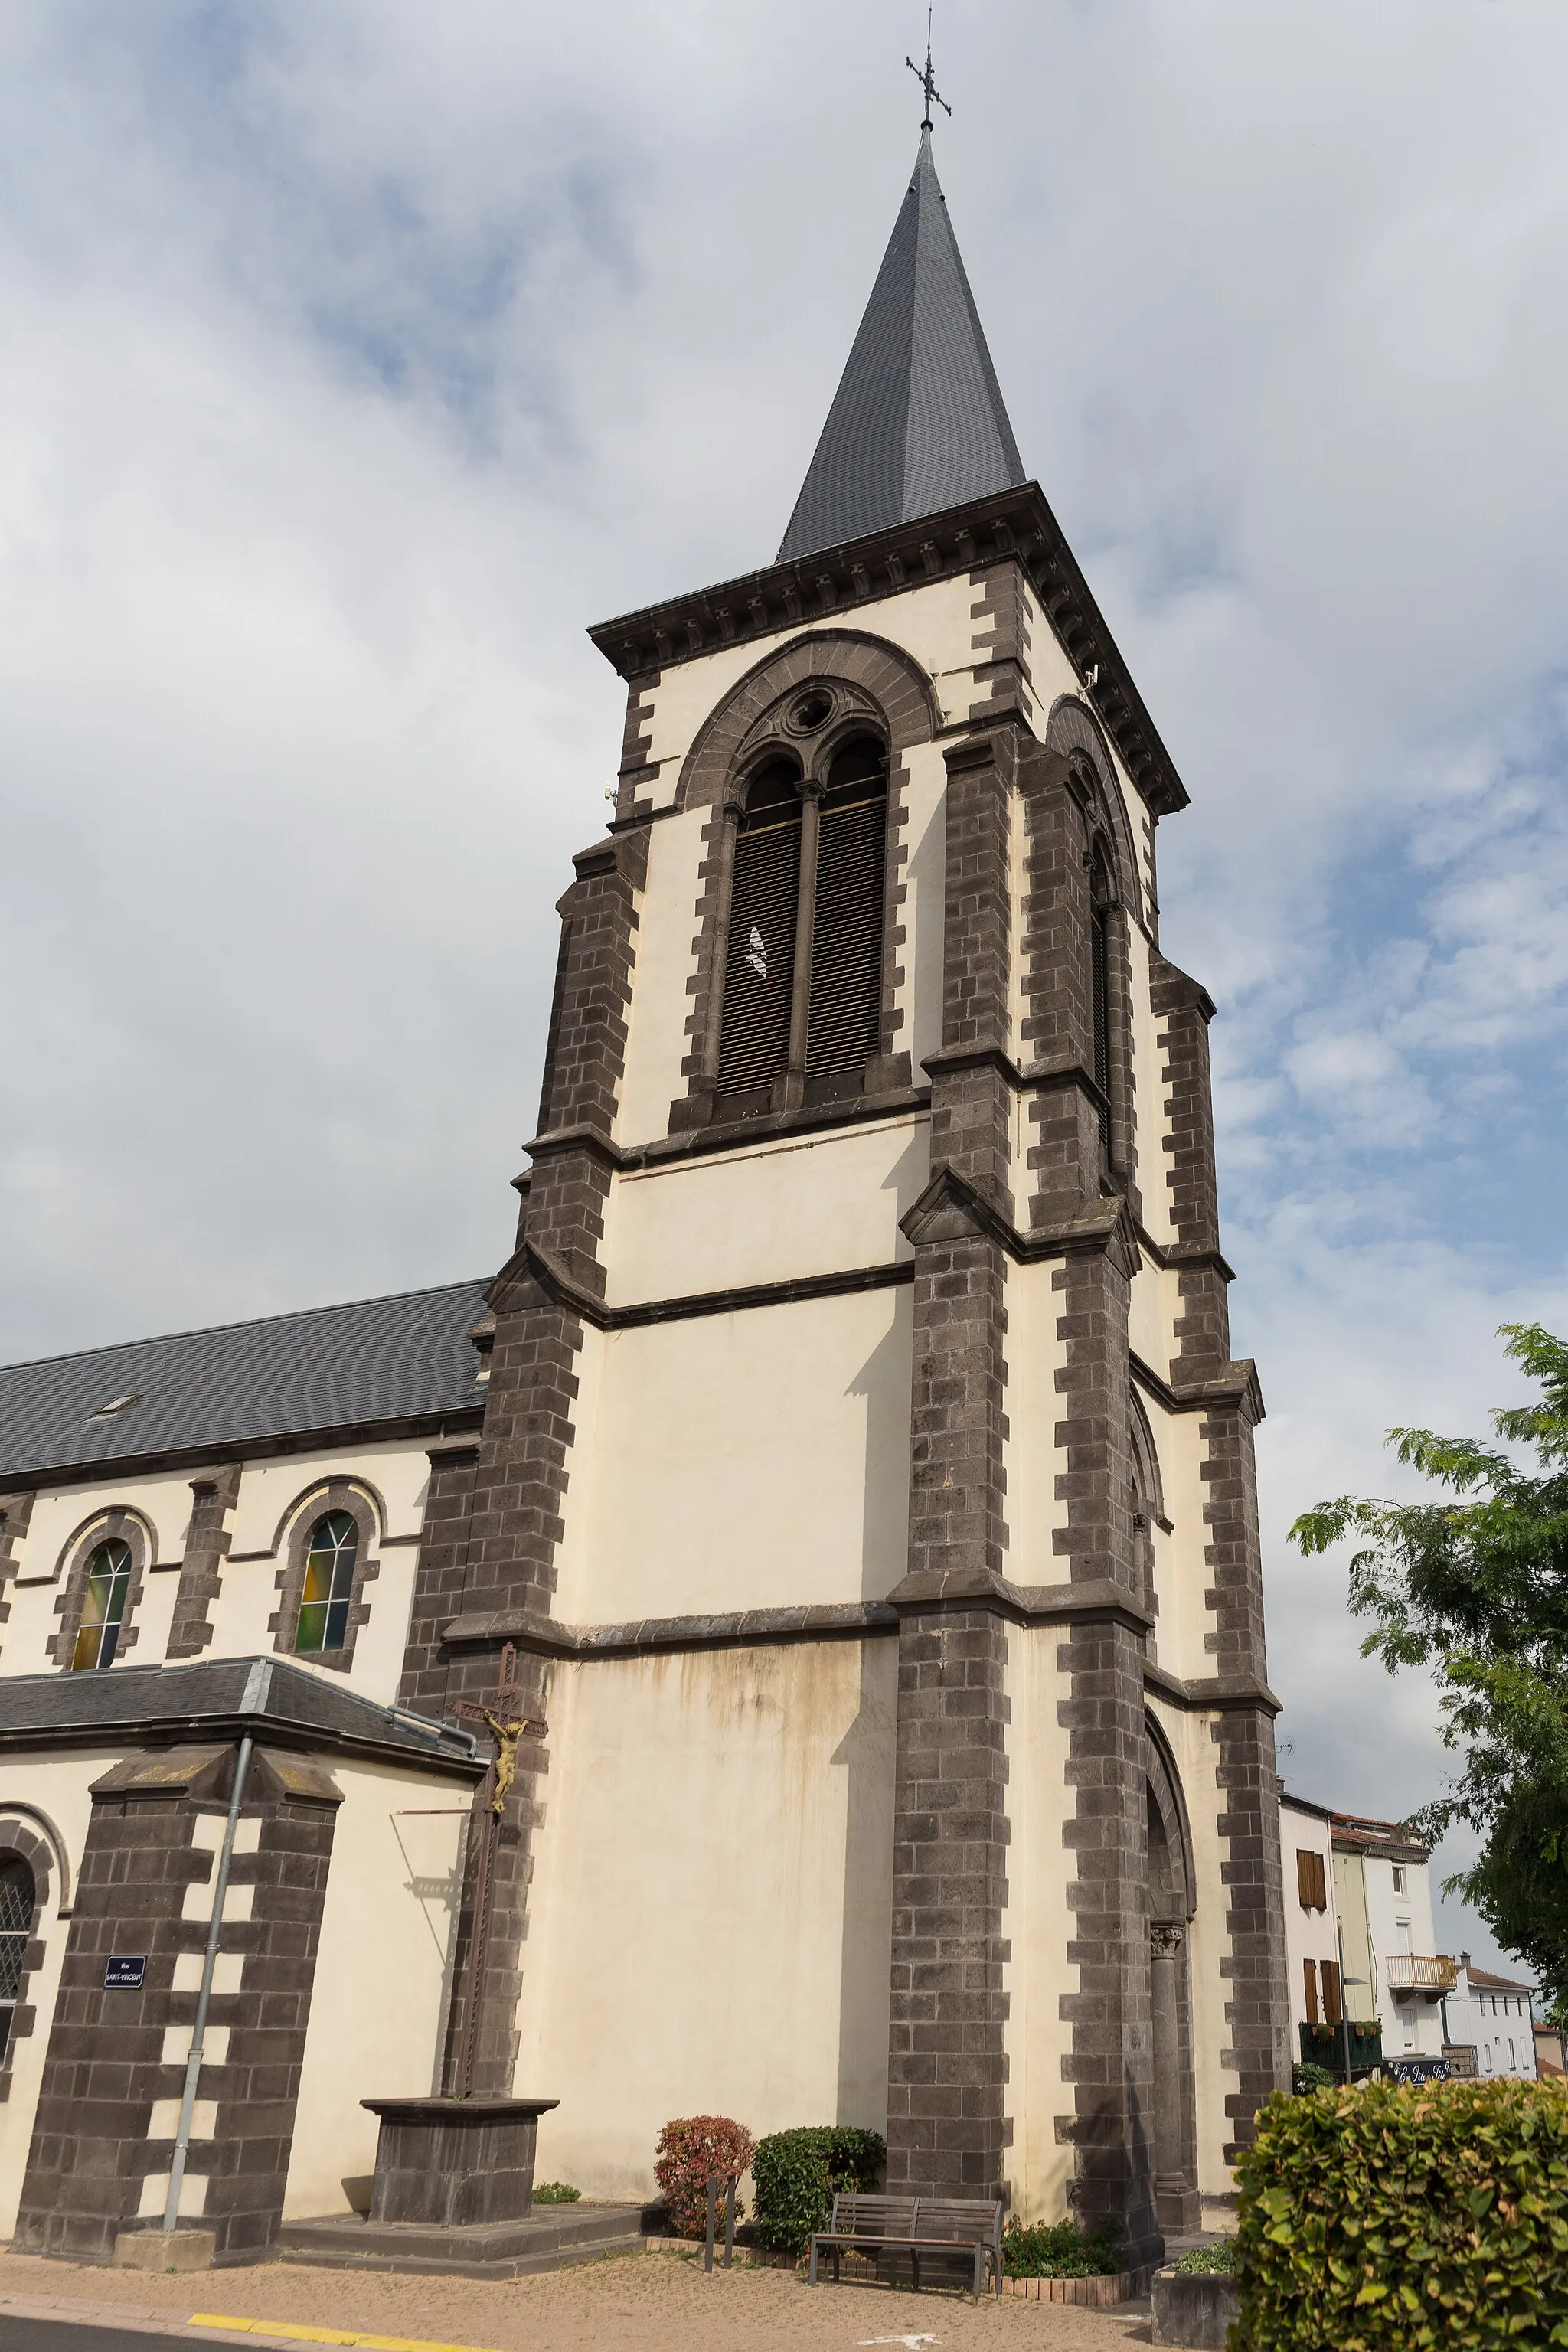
(329, 1583)
(103, 1607)
(18, 1900)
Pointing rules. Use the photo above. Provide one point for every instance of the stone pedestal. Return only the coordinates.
(164, 2250)
(455, 2162)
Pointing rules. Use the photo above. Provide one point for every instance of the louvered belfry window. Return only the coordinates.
(844, 1019)
(824, 1041)
(759, 971)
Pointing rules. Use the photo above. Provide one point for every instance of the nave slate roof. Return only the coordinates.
(379, 1363)
(918, 422)
(215, 1698)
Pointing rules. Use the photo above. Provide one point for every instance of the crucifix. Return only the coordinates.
(501, 1717)
(927, 81)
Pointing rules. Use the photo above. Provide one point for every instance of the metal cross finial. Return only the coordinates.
(927, 80)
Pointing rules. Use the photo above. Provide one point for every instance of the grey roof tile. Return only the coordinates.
(264, 1695)
(918, 422)
(379, 1359)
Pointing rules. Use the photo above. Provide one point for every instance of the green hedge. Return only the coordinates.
(1384, 2218)
(796, 2175)
(1056, 2249)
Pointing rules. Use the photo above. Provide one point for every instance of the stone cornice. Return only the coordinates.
(1040, 1605)
(1016, 526)
(1234, 1384)
(1096, 1601)
(951, 1206)
(1212, 1693)
(546, 1637)
(559, 1285)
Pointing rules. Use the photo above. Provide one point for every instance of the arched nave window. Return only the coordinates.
(328, 1585)
(103, 1607)
(18, 1905)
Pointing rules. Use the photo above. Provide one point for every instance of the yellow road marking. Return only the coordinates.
(291, 2329)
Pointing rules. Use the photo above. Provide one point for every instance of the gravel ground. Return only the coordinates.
(633, 2302)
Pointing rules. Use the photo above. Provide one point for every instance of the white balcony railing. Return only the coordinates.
(1419, 1972)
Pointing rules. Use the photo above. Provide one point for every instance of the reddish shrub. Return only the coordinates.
(691, 2150)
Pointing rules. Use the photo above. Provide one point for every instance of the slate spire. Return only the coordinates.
(917, 423)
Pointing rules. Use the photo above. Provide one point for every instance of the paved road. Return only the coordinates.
(19, 2334)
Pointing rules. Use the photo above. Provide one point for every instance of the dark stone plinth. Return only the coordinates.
(455, 2162)
(1193, 2308)
(551, 2237)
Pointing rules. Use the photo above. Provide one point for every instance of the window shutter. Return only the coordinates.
(1312, 1969)
(1304, 1877)
(759, 955)
(847, 937)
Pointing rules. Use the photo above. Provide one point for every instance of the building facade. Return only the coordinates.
(1392, 1974)
(1314, 1966)
(1489, 2025)
(848, 1462)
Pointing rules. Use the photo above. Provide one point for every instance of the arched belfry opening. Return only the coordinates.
(802, 1001)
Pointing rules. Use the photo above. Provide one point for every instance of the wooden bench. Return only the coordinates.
(918, 2225)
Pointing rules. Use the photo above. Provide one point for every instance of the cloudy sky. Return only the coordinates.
(361, 352)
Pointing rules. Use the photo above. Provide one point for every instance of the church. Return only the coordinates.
(789, 1645)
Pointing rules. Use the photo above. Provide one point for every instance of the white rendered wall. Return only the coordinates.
(1181, 1574)
(792, 1206)
(663, 946)
(61, 1520)
(272, 1497)
(753, 1460)
(1029, 1454)
(1039, 1924)
(712, 1902)
(922, 914)
(378, 2003)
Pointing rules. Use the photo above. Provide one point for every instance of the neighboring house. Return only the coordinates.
(1383, 1899)
(1312, 1931)
(1359, 1937)
(1490, 2024)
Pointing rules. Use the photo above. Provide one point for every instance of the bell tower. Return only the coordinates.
(865, 1484)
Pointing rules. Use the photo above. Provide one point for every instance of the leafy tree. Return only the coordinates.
(1473, 1584)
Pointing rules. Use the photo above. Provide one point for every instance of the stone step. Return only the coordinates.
(548, 2239)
